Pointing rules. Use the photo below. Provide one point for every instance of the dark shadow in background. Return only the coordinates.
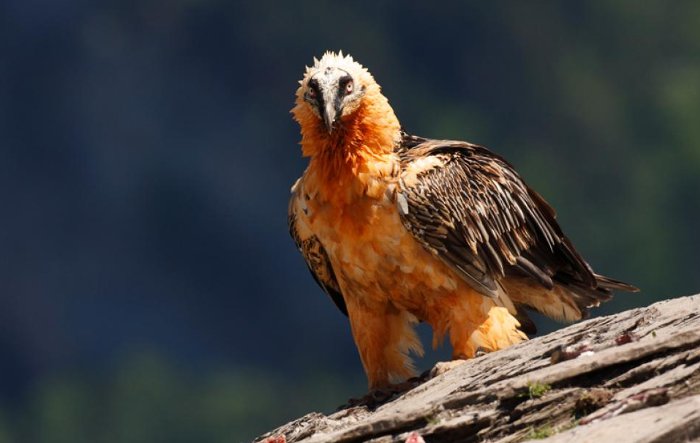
(150, 291)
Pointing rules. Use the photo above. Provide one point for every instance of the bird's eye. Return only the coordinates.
(349, 87)
(312, 87)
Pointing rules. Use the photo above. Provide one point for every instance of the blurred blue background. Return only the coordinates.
(150, 291)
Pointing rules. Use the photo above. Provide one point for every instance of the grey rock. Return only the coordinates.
(632, 376)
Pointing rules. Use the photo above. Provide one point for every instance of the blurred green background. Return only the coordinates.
(150, 291)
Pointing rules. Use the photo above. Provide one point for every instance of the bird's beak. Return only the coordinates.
(330, 112)
(332, 107)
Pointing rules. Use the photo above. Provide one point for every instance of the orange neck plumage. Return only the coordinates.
(350, 154)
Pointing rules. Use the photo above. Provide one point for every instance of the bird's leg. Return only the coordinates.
(462, 347)
(475, 334)
(460, 314)
(384, 336)
(474, 322)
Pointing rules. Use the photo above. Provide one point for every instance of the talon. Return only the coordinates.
(445, 366)
(480, 352)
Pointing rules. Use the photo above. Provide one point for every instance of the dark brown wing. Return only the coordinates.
(312, 250)
(470, 208)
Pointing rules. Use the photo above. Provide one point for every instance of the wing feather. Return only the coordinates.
(473, 211)
(312, 250)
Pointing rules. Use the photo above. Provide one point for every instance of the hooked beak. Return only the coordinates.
(330, 113)
(331, 108)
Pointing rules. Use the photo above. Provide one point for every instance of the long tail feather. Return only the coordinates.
(616, 285)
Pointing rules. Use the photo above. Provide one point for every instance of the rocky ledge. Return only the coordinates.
(632, 377)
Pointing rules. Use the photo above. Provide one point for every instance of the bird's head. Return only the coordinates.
(339, 105)
(333, 88)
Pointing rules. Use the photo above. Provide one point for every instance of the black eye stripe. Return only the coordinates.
(342, 83)
(317, 97)
(313, 85)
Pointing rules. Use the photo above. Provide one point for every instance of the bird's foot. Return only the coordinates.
(443, 367)
(379, 396)
(446, 366)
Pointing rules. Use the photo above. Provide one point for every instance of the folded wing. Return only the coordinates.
(312, 250)
(471, 209)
